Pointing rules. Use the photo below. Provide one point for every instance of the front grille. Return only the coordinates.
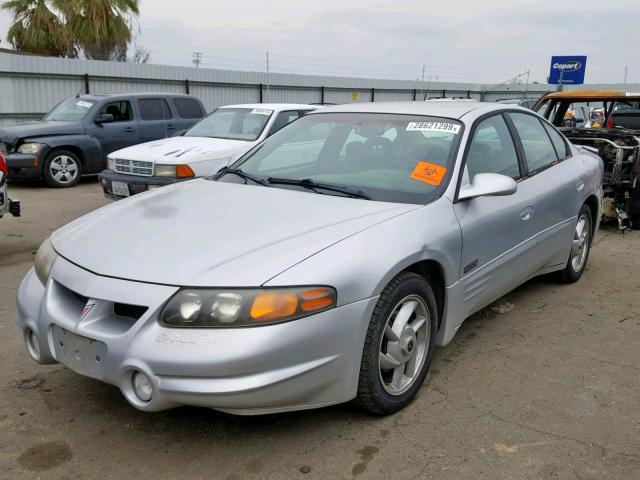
(133, 167)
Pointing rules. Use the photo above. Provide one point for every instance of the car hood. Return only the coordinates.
(207, 233)
(182, 149)
(13, 133)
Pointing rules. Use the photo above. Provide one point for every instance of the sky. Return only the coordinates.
(482, 41)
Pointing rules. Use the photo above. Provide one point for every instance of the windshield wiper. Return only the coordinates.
(310, 184)
(241, 174)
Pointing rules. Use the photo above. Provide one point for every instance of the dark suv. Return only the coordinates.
(76, 136)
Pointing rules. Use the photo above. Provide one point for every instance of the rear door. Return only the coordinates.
(498, 234)
(189, 111)
(156, 119)
(555, 174)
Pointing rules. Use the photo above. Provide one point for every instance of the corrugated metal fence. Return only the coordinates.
(31, 85)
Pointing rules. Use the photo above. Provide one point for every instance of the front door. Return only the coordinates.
(122, 132)
(498, 233)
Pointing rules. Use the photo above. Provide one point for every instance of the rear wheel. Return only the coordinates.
(399, 345)
(580, 247)
(62, 169)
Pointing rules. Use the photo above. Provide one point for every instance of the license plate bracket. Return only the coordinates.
(120, 189)
(81, 354)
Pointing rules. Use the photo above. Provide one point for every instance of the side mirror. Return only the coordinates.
(104, 118)
(488, 185)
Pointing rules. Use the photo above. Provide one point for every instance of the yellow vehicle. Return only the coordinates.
(614, 133)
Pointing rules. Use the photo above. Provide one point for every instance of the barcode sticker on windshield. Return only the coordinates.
(83, 104)
(262, 111)
(433, 127)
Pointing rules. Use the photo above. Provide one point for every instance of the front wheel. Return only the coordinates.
(580, 247)
(399, 345)
(62, 169)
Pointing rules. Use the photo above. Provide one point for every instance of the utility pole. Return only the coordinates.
(626, 70)
(561, 81)
(267, 71)
(526, 88)
(423, 90)
(197, 59)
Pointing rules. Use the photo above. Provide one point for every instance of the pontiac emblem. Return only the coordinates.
(86, 309)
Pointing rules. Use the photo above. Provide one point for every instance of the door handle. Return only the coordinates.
(129, 129)
(171, 127)
(526, 214)
(579, 185)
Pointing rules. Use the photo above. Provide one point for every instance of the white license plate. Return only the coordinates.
(81, 354)
(120, 189)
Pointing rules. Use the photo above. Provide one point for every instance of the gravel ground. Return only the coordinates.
(546, 390)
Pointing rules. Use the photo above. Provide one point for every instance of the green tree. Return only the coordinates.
(100, 29)
(37, 29)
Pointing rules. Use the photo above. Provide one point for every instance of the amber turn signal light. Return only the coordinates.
(184, 171)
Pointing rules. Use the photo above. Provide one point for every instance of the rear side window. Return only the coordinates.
(154, 109)
(492, 150)
(188, 108)
(558, 142)
(538, 150)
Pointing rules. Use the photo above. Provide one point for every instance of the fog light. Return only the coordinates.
(142, 386)
(33, 347)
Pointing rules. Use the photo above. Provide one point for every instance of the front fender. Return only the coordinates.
(361, 265)
(88, 148)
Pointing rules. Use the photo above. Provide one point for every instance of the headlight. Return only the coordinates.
(111, 164)
(174, 171)
(203, 308)
(30, 148)
(45, 258)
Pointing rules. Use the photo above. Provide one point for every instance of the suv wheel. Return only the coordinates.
(62, 169)
(399, 345)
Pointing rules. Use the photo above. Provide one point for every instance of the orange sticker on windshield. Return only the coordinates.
(429, 173)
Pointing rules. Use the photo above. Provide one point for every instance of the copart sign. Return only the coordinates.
(568, 70)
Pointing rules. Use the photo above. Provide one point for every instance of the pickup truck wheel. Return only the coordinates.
(580, 247)
(62, 169)
(399, 345)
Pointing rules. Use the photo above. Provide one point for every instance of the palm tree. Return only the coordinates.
(99, 28)
(37, 29)
(102, 28)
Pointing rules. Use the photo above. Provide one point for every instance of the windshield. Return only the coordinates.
(232, 123)
(385, 157)
(70, 110)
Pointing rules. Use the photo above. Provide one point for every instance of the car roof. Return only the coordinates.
(102, 96)
(436, 108)
(274, 106)
(592, 95)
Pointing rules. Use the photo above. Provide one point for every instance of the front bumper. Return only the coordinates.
(23, 166)
(301, 364)
(135, 183)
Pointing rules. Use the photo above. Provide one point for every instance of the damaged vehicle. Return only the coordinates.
(324, 265)
(616, 140)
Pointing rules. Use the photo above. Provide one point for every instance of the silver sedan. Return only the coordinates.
(325, 265)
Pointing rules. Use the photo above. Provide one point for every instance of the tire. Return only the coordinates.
(579, 254)
(380, 389)
(62, 169)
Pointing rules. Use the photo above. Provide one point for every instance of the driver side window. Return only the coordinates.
(121, 111)
(492, 150)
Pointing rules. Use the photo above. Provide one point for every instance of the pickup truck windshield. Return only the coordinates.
(70, 110)
(232, 123)
(384, 157)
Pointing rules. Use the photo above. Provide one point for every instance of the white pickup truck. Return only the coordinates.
(209, 145)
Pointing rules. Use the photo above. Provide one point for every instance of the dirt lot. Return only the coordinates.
(548, 390)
